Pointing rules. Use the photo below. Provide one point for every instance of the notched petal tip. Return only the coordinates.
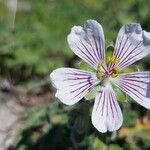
(146, 38)
(90, 23)
(107, 129)
(72, 84)
(132, 44)
(106, 114)
(87, 42)
(64, 98)
(76, 30)
(51, 76)
(93, 27)
(54, 74)
(133, 27)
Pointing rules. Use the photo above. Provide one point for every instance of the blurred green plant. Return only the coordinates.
(38, 44)
(38, 40)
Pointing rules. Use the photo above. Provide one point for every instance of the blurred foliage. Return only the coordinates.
(37, 44)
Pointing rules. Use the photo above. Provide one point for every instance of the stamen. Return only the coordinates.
(99, 70)
(115, 71)
(112, 59)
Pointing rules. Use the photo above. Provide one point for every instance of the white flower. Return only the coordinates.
(87, 42)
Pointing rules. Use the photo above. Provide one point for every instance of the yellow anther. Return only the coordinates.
(115, 71)
(99, 70)
(112, 59)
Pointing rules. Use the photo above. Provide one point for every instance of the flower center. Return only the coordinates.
(104, 72)
(114, 72)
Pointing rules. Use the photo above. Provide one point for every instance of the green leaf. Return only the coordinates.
(82, 122)
(121, 96)
(91, 95)
(84, 66)
(143, 133)
(114, 147)
(110, 47)
(99, 145)
(109, 50)
(132, 68)
(130, 115)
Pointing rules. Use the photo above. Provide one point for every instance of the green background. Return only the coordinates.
(37, 45)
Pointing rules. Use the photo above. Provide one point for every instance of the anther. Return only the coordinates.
(99, 70)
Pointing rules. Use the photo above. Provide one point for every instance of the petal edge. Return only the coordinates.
(72, 84)
(106, 114)
(88, 42)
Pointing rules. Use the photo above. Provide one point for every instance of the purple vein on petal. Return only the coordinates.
(98, 48)
(133, 75)
(91, 44)
(108, 100)
(112, 98)
(88, 86)
(123, 53)
(120, 49)
(104, 99)
(126, 58)
(129, 83)
(134, 80)
(131, 60)
(82, 86)
(119, 54)
(130, 51)
(86, 81)
(88, 59)
(127, 87)
(75, 74)
(89, 52)
(93, 49)
(111, 107)
(100, 96)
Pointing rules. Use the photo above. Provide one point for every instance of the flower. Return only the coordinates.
(88, 43)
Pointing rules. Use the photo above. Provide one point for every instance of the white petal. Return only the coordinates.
(136, 85)
(72, 84)
(106, 115)
(88, 42)
(132, 44)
